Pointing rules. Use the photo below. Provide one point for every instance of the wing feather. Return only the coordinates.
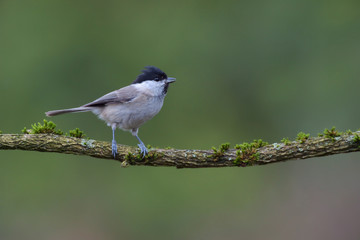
(123, 95)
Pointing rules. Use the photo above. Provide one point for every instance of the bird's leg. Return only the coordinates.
(114, 145)
(143, 149)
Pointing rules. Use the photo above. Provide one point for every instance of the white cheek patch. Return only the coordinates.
(152, 88)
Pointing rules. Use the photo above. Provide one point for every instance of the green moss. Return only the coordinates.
(349, 132)
(219, 152)
(244, 146)
(132, 158)
(302, 137)
(224, 147)
(332, 133)
(151, 156)
(238, 160)
(0, 132)
(76, 133)
(259, 143)
(247, 152)
(48, 127)
(25, 131)
(129, 157)
(356, 138)
(286, 141)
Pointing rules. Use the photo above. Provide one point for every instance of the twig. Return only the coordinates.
(277, 152)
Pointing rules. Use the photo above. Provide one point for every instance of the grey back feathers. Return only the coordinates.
(125, 94)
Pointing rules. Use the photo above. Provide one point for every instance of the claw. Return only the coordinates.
(114, 148)
(143, 149)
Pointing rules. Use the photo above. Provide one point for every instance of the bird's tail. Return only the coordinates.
(70, 110)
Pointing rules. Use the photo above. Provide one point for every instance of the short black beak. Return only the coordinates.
(170, 80)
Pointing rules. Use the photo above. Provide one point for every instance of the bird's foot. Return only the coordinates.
(114, 148)
(143, 149)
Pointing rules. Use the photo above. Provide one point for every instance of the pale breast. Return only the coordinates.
(132, 115)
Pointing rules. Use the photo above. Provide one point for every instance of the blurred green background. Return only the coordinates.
(245, 70)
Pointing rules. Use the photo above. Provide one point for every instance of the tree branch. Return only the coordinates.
(277, 152)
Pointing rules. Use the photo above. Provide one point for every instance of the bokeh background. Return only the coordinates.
(245, 70)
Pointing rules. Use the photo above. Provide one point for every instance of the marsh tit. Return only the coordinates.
(129, 107)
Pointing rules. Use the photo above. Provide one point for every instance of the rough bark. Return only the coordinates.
(277, 152)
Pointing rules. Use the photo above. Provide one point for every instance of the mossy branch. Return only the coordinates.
(248, 155)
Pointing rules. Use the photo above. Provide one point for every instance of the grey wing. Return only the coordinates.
(123, 95)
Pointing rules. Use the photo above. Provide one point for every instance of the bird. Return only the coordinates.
(129, 107)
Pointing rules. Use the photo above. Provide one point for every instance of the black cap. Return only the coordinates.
(151, 73)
